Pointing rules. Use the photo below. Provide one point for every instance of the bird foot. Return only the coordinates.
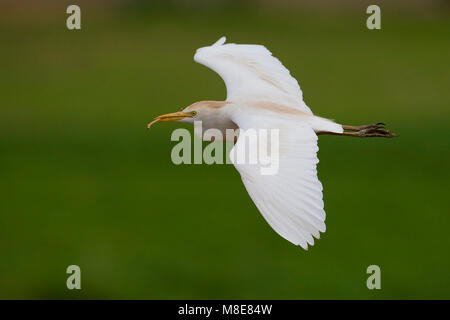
(375, 130)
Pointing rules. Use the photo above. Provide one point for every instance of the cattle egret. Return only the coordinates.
(261, 93)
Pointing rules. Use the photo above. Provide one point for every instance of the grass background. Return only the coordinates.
(82, 182)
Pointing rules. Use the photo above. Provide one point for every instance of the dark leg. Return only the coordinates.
(371, 130)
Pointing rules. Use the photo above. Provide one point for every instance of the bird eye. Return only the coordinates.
(194, 113)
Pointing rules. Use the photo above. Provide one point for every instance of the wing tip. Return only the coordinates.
(219, 42)
(200, 51)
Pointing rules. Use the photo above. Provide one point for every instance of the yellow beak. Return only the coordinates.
(170, 117)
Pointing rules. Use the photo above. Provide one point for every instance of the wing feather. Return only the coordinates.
(291, 200)
(251, 72)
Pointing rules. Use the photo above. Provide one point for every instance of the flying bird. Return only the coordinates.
(261, 93)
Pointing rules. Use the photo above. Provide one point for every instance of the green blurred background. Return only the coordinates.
(82, 182)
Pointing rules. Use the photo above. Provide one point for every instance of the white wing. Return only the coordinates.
(251, 72)
(291, 200)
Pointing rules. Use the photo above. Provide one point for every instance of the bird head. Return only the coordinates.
(202, 110)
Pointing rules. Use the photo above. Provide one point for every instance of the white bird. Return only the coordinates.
(261, 93)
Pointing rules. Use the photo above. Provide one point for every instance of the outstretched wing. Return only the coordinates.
(291, 199)
(251, 72)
